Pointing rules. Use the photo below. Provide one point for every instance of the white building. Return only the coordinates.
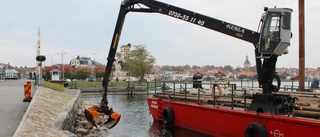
(81, 62)
(121, 70)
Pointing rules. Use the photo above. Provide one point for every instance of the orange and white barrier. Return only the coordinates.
(27, 92)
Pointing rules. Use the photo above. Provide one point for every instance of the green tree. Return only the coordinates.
(100, 71)
(227, 68)
(179, 68)
(82, 73)
(46, 72)
(242, 77)
(195, 67)
(68, 71)
(208, 67)
(203, 69)
(140, 62)
(186, 67)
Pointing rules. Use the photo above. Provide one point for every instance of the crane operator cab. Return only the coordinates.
(274, 39)
(275, 32)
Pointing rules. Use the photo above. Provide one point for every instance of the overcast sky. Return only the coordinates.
(85, 28)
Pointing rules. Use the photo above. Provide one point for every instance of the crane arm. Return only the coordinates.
(175, 12)
(277, 21)
(194, 18)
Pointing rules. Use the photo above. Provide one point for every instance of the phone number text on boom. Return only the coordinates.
(186, 18)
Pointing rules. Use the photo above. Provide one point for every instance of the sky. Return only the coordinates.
(85, 28)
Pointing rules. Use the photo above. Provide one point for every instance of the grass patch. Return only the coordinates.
(87, 84)
(54, 86)
(111, 84)
(96, 84)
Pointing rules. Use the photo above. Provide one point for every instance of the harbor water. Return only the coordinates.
(136, 119)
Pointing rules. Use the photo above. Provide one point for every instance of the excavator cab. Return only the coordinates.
(275, 32)
(274, 39)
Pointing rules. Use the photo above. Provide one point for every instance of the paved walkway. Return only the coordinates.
(12, 105)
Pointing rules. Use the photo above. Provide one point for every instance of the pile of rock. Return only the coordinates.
(84, 128)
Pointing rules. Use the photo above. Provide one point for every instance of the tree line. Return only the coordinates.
(205, 68)
(70, 72)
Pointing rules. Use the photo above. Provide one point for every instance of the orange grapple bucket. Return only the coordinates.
(113, 120)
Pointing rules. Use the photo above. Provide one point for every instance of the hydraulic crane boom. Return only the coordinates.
(271, 42)
(195, 18)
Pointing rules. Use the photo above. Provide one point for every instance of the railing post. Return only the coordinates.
(155, 88)
(174, 91)
(185, 87)
(252, 83)
(214, 95)
(147, 89)
(292, 85)
(198, 95)
(185, 92)
(285, 88)
(232, 91)
(163, 90)
(245, 100)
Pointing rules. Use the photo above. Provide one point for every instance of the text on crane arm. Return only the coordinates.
(186, 18)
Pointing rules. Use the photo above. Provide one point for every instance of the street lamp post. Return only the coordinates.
(62, 53)
(40, 59)
(94, 67)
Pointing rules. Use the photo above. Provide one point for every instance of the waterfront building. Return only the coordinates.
(121, 70)
(84, 62)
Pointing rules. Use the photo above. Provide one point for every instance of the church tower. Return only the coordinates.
(125, 50)
(246, 63)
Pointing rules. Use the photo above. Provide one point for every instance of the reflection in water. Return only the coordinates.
(160, 130)
(136, 119)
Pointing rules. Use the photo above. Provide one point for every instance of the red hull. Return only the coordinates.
(226, 122)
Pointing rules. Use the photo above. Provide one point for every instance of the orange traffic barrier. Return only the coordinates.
(27, 92)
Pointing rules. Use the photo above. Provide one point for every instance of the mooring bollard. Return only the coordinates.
(27, 92)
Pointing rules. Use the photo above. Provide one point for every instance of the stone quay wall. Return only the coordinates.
(67, 120)
(51, 113)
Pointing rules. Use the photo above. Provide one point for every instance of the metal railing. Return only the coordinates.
(170, 90)
(286, 85)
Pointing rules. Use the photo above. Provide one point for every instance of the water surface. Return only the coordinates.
(136, 119)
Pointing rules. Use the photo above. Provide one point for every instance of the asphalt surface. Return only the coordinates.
(12, 105)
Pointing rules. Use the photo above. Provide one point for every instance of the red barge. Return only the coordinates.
(268, 113)
(225, 122)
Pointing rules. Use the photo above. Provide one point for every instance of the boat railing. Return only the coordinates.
(236, 99)
(233, 96)
(155, 87)
(185, 91)
(290, 88)
(285, 84)
(289, 85)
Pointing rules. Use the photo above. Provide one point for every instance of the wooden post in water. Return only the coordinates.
(301, 46)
